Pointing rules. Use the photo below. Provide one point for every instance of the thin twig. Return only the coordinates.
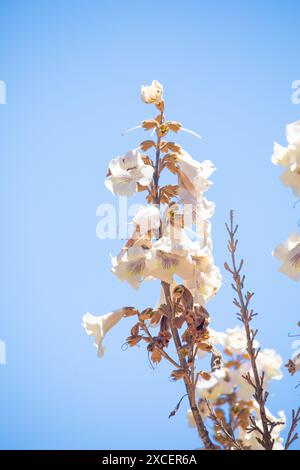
(245, 315)
(162, 351)
(228, 433)
(292, 435)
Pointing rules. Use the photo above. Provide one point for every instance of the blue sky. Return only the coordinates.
(73, 72)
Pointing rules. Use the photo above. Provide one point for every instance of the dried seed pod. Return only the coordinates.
(130, 311)
(177, 374)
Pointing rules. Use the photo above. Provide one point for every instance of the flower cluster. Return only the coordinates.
(231, 394)
(171, 242)
(289, 158)
(289, 252)
(161, 246)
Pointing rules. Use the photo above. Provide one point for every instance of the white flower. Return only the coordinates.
(131, 265)
(193, 177)
(293, 133)
(243, 389)
(194, 169)
(219, 384)
(269, 362)
(98, 326)
(193, 182)
(234, 341)
(289, 157)
(170, 257)
(204, 285)
(147, 218)
(126, 171)
(291, 179)
(289, 254)
(152, 94)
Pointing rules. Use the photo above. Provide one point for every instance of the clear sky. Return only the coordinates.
(73, 71)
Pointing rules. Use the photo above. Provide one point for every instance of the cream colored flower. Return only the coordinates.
(170, 257)
(289, 157)
(291, 179)
(234, 341)
(289, 254)
(192, 168)
(152, 94)
(193, 182)
(204, 285)
(147, 218)
(99, 326)
(197, 172)
(286, 156)
(126, 171)
(131, 265)
(269, 362)
(219, 384)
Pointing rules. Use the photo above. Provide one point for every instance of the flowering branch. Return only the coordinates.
(189, 383)
(161, 248)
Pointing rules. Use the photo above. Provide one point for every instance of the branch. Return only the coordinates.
(189, 385)
(162, 351)
(292, 435)
(229, 434)
(246, 316)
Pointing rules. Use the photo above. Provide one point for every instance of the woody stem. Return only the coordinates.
(190, 388)
(189, 384)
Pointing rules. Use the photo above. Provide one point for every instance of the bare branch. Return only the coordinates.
(292, 435)
(246, 317)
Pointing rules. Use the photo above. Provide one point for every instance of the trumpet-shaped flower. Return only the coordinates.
(193, 177)
(194, 169)
(234, 341)
(126, 171)
(269, 362)
(152, 94)
(170, 257)
(205, 284)
(289, 157)
(98, 326)
(220, 383)
(193, 182)
(289, 254)
(131, 265)
(291, 179)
